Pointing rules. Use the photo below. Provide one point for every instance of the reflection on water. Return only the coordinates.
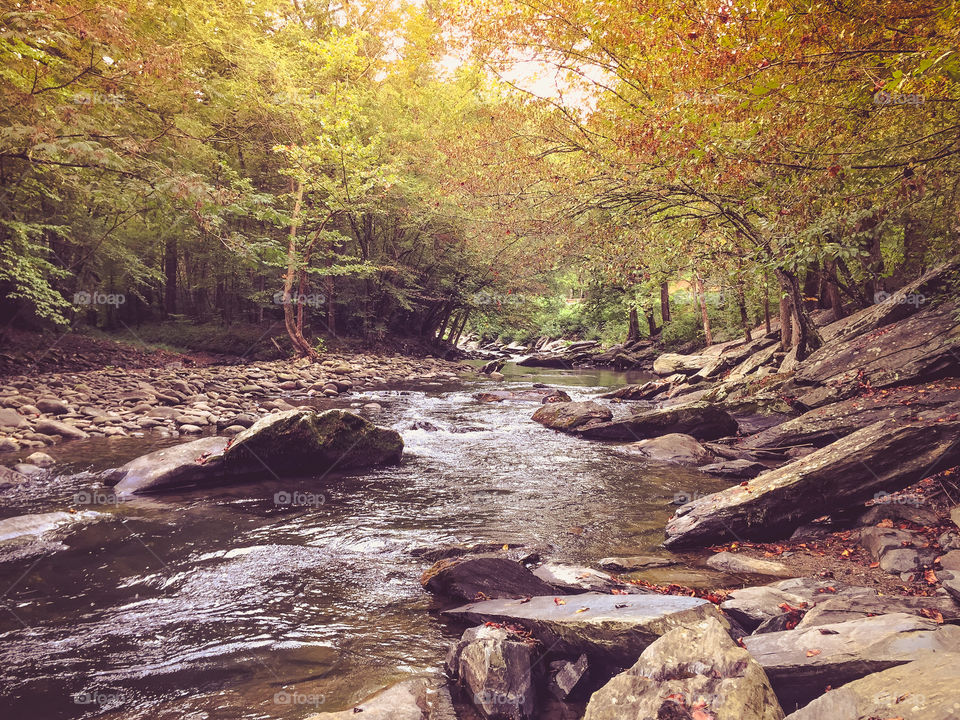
(246, 603)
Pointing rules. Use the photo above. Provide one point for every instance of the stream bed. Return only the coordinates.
(283, 598)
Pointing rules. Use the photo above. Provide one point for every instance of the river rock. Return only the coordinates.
(919, 348)
(9, 445)
(740, 468)
(635, 562)
(417, 699)
(670, 363)
(53, 406)
(672, 448)
(752, 606)
(885, 456)
(10, 418)
(496, 666)
(576, 578)
(925, 689)
(734, 563)
(491, 576)
(296, 442)
(567, 677)
(702, 420)
(30, 526)
(878, 540)
(610, 629)
(16, 476)
(801, 663)
(568, 416)
(841, 609)
(694, 671)
(637, 392)
(822, 426)
(41, 460)
(64, 430)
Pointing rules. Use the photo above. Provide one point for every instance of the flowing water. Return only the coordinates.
(279, 599)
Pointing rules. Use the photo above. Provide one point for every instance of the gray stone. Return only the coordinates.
(899, 512)
(951, 561)
(566, 676)
(417, 699)
(487, 575)
(41, 460)
(52, 405)
(751, 606)
(800, 663)
(672, 448)
(702, 420)
(841, 609)
(568, 416)
(900, 560)
(64, 430)
(734, 563)
(635, 562)
(689, 669)
(295, 442)
(878, 541)
(925, 689)
(495, 666)
(575, 578)
(12, 419)
(670, 363)
(735, 468)
(9, 445)
(885, 456)
(610, 629)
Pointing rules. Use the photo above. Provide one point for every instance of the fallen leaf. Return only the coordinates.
(813, 653)
(559, 601)
(583, 609)
(930, 576)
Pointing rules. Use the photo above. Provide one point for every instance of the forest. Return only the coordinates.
(317, 170)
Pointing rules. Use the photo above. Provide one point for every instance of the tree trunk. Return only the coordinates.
(170, 258)
(742, 304)
(463, 324)
(766, 303)
(805, 335)
(633, 322)
(665, 302)
(703, 311)
(300, 346)
(786, 323)
(834, 301)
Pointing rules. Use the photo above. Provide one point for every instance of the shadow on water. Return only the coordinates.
(278, 599)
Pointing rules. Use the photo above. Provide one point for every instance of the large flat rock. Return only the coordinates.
(926, 689)
(801, 663)
(610, 629)
(702, 420)
(296, 442)
(920, 348)
(886, 456)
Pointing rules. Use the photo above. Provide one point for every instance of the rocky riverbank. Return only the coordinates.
(40, 411)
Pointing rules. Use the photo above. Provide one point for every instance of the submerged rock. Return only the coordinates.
(296, 442)
(734, 563)
(693, 671)
(609, 629)
(26, 527)
(417, 699)
(702, 420)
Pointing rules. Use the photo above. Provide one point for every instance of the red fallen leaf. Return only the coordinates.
(744, 483)
(559, 601)
(677, 698)
(930, 576)
(874, 564)
(830, 589)
(618, 591)
(741, 643)
(813, 653)
(934, 615)
(526, 599)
